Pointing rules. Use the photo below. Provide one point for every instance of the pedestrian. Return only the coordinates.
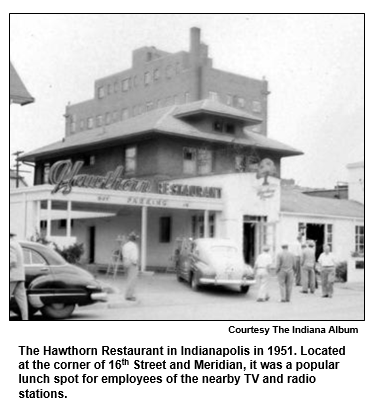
(130, 253)
(308, 261)
(327, 262)
(296, 249)
(261, 269)
(17, 276)
(285, 272)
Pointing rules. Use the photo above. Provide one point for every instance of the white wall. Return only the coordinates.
(356, 182)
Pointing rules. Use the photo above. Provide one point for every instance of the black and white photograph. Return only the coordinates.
(187, 167)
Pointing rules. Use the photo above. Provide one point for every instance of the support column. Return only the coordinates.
(37, 216)
(206, 224)
(68, 225)
(144, 236)
(49, 218)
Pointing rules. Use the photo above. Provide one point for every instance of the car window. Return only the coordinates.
(37, 259)
(224, 250)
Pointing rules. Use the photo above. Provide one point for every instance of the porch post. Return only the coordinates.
(144, 231)
(68, 225)
(206, 224)
(49, 218)
(37, 216)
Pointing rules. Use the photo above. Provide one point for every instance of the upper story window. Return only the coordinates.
(101, 92)
(360, 239)
(230, 128)
(46, 171)
(229, 100)
(240, 163)
(130, 160)
(81, 125)
(99, 121)
(147, 78)
(90, 123)
(218, 126)
(126, 85)
(125, 114)
(214, 96)
(157, 74)
(197, 161)
(241, 103)
(257, 107)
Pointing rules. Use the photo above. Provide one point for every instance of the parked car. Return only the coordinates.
(54, 286)
(212, 261)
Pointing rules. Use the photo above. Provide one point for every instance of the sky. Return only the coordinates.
(314, 65)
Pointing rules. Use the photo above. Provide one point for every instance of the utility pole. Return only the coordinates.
(17, 166)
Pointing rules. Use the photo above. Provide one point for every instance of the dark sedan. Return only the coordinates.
(54, 286)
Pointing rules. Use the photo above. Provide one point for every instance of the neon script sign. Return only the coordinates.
(65, 175)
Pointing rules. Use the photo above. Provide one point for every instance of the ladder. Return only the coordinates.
(116, 257)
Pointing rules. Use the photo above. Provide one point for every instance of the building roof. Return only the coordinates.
(359, 164)
(17, 90)
(296, 202)
(207, 106)
(164, 121)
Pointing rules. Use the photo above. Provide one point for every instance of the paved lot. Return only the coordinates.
(162, 297)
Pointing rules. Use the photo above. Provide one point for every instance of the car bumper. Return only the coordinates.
(219, 281)
(99, 297)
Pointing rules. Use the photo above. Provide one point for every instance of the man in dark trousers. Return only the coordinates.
(285, 272)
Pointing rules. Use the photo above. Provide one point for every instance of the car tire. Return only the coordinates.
(58, 311)
(194, 282)
(244, 289)
(179, 278)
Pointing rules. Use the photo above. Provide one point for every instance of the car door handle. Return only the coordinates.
(44, 270)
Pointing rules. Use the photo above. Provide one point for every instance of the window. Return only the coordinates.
(213, 96)
(125, 114)
(189, 161)
(43, 225)
(240, 163)
(73, 124)
(241, 102)
(107, 118)
(360, 239)
(165, 229)
(329, 236)
(46, 171)
(229, 99)
(99, 121)
(147, 78)
(257, 107)
(101, 92)
(218, 126)
(32, 257)
(230, 128)
(130, 160)
(204, 158)
(92, 160)
(125, 85)
(62, 224)
(81, 125)
(198, 226)
(157, 74)
(90, 123)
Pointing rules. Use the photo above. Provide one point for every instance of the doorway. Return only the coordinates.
(316, 232)
(249, 242)
(91, 244)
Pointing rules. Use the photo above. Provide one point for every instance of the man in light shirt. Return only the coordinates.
(261, 269)
(130, 254)
(296, 250)
(285, 272)
(308, 267)
(327, 262)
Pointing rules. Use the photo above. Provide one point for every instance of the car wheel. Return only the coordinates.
(194, 282)
(244, 289)
(58, 310)
(179, 278)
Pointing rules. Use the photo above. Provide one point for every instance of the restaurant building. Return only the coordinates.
(171, 148)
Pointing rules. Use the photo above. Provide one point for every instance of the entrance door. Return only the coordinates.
(316, 233)
(249, 242)
(91, 244)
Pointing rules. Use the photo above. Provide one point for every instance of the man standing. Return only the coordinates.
(285, 272)
(308, 268)
(297, 251)
(17, 277)
(261, 269)
(130, 253)
(327, 262)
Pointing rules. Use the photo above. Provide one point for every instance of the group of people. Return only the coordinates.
(296, 268)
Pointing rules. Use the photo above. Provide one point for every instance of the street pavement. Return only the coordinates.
(162, 297)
